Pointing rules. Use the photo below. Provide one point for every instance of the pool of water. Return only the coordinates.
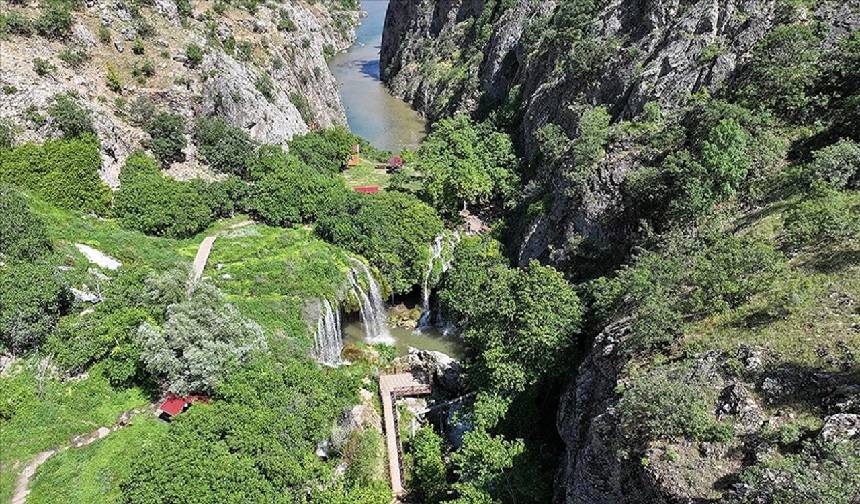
(371, 111)
(426, 339)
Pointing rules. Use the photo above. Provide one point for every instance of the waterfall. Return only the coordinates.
(329, 339)
(374, 315)
(436, 250)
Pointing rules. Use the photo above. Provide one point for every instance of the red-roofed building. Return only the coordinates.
(367, 189)
(395, 163)
(174, 405)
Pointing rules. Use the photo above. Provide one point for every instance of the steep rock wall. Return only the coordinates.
(243, 52)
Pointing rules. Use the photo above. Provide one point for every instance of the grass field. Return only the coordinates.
(41, 414)
(366, 174)
(93, 473)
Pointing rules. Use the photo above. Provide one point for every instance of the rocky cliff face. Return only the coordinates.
(475, 56)
(264, 72)
(638, 52)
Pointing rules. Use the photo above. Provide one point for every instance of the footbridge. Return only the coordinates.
(392, 386)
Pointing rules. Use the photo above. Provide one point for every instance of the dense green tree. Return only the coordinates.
(31, 301)
(840, 84)
(325, 151)
(294, 193)
(225, 148)
(482, 465)
(782, 71)
(467, 163)
(254, 443)
(63, 172)
(167, 137)
(23, 234)
(152, 203)
(202, 341)
(392, 230)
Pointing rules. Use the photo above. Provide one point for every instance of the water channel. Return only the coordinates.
(371, 111)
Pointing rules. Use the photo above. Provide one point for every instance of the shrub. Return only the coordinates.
(167, 137)
(826, 217)
(113, 80)
(156, 205)
(141, 111)
(70, 117)
(75, 58)
(838, 165)
(31, 301)
(55, 20)
(104, 34)
(63, 172)
(137, 47)
(7, 134)
(193, 55)
(429, 478)
(16, 23)
(265, 86)
(42, 67)
(303, 106)
(226, 148)
(665, 404)
(203, 340)
(23, 235)
(143, 71)
(783, 68)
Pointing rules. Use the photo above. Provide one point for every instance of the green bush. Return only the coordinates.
(55, 20)
(304, 107)
(839, 83)
(43, 67)
(838, 165)
(7, 134)
(194, 55)
(666, 404)
(266, 87)
(15, 22)
(782, 72)
(31, 301)
(75, 58)
(392, 230)
(827, 217)
(63, 172)
(113, 80)
(137, 47)
(429, 475)
(167, 137)
(154, 204)
(226, 148)
(23, 235)
(69, 117)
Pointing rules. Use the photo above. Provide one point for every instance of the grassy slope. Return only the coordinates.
(819, 325)
(92, 474)
(270, 272)
(48, 415)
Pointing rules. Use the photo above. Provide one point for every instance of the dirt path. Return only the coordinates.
(200, 260)
(22, 485)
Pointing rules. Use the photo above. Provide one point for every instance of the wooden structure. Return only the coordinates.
(366, 189)
(355, 158)
(174, 405)
(392, 386)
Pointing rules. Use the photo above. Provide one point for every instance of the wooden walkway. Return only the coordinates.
(390, 388)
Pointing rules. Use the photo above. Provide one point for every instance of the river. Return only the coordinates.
(371, 111)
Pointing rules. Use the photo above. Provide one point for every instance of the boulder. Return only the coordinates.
(840, 428)
(443, 370)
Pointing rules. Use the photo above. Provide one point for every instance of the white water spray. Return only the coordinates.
(436, 250)
(329, 339)
(374, 315)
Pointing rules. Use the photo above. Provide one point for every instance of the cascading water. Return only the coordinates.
(329, 338)
(436, 250)
(374, 315)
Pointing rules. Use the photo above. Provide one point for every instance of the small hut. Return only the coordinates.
(367, 189)
(395, 164)
(174, 405)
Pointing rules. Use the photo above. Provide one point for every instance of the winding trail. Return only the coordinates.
(22, 485)
(203, 252)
